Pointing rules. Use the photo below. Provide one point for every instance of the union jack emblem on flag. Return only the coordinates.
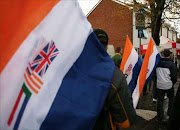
(33, 79)
(44, 59)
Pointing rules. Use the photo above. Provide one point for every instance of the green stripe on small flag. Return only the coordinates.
(26, 91)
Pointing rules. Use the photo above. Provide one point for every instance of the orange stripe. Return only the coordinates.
(37, 79)
(35, 84)
(143, 72)
(30, 85)
(127, 51)
(18, 19)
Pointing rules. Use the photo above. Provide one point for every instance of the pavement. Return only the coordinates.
(146, 111)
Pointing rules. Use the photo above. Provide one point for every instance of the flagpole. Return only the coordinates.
(140, 35)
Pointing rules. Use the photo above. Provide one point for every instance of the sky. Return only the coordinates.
(87, 5)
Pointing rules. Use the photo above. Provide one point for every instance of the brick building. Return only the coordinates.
(115, 19)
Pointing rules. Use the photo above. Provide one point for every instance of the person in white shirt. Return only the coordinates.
(166, 73)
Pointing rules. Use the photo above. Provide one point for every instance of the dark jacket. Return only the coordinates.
(173, 123)
(118, 108)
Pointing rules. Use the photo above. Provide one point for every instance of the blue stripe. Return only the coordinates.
(158, 58)
(83, 90)
(136, 70)
(21, 113)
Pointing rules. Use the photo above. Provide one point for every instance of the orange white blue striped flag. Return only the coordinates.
(151, 59)
(130, 64)
(54, 72)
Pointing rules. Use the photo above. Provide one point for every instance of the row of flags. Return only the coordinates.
(138, 73)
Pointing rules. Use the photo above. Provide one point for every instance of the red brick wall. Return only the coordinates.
(115, 19)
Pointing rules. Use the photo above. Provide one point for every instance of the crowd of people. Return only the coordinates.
(118, 110)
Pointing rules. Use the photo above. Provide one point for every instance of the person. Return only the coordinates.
(118, 111)
(166, 73)
(154, 78)
(117, 57)
(173, 123)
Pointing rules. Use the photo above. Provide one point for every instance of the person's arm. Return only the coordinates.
(173, 75)
(121, 108)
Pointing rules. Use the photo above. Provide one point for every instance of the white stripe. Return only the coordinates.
(37, 77)
(4, 121)
(135, 95)
(28, 80)
(9, 89)
(36, 81)
(152, 61)
(68, 27)
(151, 64)
(132, 59)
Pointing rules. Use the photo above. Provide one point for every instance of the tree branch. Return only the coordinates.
(167, 5)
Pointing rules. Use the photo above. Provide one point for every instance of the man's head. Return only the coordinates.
(118, 49)
(102, 36)
(167, 53)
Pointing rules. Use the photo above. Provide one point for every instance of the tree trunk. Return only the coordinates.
(156, 14)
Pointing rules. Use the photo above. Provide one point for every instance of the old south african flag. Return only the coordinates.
(54, 73)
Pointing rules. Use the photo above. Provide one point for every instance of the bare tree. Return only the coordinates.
(158, 11)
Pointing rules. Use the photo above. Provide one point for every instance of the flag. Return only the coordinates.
(130, 64)
(55, 74)
(151, 59)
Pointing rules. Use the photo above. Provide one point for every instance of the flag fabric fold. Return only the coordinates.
(130, 64)
(151, 59)
(58, 74)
